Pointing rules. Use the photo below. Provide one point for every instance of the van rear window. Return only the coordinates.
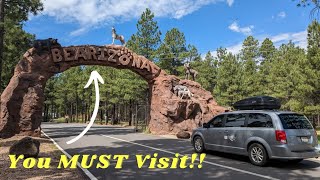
(294, 121)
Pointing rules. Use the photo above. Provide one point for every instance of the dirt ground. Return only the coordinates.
(47, 149)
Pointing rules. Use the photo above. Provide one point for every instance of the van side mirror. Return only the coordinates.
(205, 125)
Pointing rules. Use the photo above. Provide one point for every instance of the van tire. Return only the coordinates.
(198, 144)
(258, 154)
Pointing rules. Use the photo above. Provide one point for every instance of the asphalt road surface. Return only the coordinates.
(108, 140)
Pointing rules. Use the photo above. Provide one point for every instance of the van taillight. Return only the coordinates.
(281, 136)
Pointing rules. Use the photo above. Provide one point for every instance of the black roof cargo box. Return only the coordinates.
(257, 103)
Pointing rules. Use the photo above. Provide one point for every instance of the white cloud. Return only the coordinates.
(280, 37)
(235, 49)
(298, 38)
(230, 2)
(78, 32)
(282, 14)
(93, 13)
(244, 30)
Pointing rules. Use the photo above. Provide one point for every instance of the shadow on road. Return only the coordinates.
(74, 131)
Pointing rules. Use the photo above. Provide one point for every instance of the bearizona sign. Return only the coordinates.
(23, 99)
(115, 56)
(121, 57)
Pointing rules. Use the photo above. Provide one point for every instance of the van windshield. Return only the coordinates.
(294, 121)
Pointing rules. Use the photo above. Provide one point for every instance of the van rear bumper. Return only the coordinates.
(283, 152)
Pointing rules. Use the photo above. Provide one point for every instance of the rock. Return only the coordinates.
(26, 146)
(171, 114)
(183, 135)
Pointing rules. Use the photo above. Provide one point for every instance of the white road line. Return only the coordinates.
(211, 163)
(88, 173)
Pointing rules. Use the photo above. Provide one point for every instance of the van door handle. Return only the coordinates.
(226, 131)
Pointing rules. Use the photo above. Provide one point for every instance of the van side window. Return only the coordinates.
(235, 120)
(259, 120)
(217, 121)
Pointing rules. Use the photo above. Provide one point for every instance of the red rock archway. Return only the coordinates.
(23, 98)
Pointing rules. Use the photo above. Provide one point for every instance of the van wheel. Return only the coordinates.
(198, 144)
(258, 154)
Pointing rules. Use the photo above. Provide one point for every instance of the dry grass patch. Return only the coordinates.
(47, 150)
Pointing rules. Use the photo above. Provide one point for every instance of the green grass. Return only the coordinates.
(147, 131)
(60, 120)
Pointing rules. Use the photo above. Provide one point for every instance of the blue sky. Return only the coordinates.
(207, 24)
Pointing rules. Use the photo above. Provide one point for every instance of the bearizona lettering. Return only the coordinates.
(123, 57)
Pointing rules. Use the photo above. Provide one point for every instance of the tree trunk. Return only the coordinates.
(101, 116)
(1, 39)
(52, 111)
(106, 110)
(136, 115)
(130, 112)
(45, 112)
(113, 114)
(77, 115)
(70, 112)
(107, 116)
(82, 113)
(86, 113)
(82, 107)
(89, 107)
(119, 114)
(66, 115)
(127, 112)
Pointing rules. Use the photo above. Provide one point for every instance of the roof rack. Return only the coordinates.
(258, 103)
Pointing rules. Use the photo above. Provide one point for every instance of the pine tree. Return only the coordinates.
(312, 70)
(287, 77)
(172, 51)
(14, 41)
(267, 52)
(249, 58)
(227, 89)
(146, 40)
(207, 69)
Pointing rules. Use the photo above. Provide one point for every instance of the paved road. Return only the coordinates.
(110, 140)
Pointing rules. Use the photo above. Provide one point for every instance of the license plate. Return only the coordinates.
(304, 139)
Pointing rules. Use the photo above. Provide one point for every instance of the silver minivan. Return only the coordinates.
(259, 134)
